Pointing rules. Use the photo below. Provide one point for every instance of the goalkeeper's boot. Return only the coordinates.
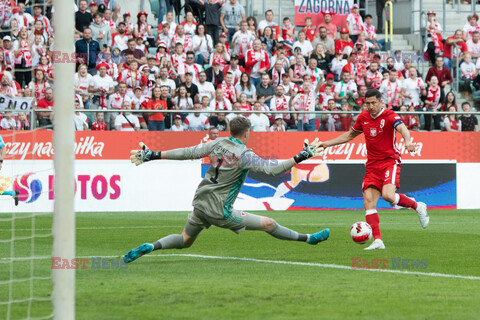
(15, 197)
(376, 244)
(319, 236)
(422, 214)
(139, 251)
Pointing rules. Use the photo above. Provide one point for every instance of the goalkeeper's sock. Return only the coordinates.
(282, 189)
(404, 201)
(9, 193)
(283, 233)
(173, 241)
(374, 221)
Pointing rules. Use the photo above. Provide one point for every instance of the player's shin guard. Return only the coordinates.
(173, 241)
(374, 221)
(404, 201)
(283, 233)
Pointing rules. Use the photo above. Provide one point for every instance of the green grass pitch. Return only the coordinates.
(186, 284)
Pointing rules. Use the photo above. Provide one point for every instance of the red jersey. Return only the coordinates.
(379, 134)
(309, 33)
(99, 126)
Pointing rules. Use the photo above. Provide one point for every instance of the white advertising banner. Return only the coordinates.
(108, 186)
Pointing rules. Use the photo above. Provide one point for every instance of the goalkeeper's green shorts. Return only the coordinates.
(237, 221)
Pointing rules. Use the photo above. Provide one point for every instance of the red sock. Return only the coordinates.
(374, 221)
(406, 202)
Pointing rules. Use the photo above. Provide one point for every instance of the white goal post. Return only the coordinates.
(64, 138)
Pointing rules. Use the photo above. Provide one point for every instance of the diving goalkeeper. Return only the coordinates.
(212, 205)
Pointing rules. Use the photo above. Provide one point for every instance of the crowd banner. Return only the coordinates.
(315, 8)
(15, 103)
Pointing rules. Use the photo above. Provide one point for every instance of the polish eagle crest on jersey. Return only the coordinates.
(373, 132)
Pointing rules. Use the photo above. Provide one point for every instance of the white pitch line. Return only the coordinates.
(294, 263)
(321, 265)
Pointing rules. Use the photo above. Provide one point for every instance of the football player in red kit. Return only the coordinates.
(383, 161)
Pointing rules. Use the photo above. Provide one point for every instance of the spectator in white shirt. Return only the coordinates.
(205, 88)
(259, 121)
(196, 121)
(8, 122)
(127, 121)
(177, 124)
(79, 118)
(473, 45)
(304, 44)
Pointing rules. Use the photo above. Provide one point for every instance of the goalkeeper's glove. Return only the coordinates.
(310, 150)
(140, 156)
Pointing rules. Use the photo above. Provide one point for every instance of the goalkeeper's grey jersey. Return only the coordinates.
(230, 162)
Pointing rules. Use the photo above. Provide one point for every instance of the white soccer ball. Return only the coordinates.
(361, 232)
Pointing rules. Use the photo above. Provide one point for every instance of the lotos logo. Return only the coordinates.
(30, 189)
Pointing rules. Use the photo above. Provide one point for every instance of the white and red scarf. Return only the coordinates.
(358, 25)
(281, 104)
(243, 44)
(277, 77)
(392, 101)
(256, 65)
(434, 96)
(159, 56)
(186, 41)
(143, 30)
(177, 60)
(224, 104)
(218, 58)
(39, 91)
(228, 91)
(24, 54)
(287, 37)
(117, 101)
(370, 31)
(299, 71)
(374, 77)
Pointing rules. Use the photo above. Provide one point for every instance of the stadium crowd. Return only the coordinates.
(217, 59)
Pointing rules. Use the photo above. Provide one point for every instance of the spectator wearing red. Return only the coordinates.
(331, 27)
(156, 121)
(344, 44)
(99, 124)
(308, 29)
(329, 81)
(443, 74)
(44, 118)
(257, 62)
(450, 51)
